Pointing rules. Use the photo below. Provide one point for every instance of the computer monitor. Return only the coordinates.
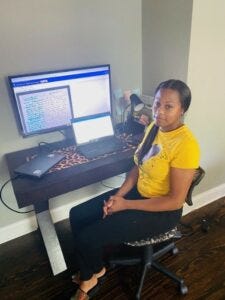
(48, 101)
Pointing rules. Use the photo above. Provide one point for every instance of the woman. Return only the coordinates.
(150, 200)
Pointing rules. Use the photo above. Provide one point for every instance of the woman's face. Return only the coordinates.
(167, 110)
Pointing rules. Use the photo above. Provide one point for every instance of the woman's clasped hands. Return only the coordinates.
(113, 204)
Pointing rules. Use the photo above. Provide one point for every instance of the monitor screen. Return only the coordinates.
(48, 101)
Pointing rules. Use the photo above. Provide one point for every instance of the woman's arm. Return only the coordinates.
(180, 181)
(129, 182)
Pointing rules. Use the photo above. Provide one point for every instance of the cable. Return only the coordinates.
(121, 176)
(62, 133)
(111, 187)
(123, 116)
(6, 205)
(43, 146)
(189, 229)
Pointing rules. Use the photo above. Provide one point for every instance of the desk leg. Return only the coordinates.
(51, 242)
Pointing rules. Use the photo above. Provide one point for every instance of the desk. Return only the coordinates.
(57, 182)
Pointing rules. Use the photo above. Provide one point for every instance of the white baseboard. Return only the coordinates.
(17, 229)
(205, 198)
(28, 225)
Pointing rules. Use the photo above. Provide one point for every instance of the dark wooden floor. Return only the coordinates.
(25, 272)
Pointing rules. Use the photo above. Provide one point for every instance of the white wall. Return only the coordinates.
(185, 39)
(165, 41)
(53, 34)
(206, 74)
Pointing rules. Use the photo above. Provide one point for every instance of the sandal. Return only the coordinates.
(82, 295)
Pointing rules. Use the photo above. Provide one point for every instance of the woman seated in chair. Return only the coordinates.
(150, 200)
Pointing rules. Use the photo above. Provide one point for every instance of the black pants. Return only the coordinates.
(92, 232)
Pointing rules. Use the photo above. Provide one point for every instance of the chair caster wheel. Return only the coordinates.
(183, 289)
(175, 250)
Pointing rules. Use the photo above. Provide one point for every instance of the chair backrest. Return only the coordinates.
(199, 174)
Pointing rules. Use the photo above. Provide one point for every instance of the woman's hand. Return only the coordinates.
(114, 204)
(106, 207)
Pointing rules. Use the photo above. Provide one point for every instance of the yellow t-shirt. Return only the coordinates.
(177, 148)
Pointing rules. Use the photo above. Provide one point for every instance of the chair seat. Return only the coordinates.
(173, 233)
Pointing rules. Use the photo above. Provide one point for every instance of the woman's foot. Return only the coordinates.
(87, 289)
(99, 275)
(88, 285)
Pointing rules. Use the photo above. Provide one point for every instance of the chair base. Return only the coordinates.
(148, 259)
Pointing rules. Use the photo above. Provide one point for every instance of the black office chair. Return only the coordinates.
(153, 248)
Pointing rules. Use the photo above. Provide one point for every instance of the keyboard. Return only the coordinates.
(102, 147)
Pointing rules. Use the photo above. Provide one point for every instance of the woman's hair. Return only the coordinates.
(185, 100)
(182, 89)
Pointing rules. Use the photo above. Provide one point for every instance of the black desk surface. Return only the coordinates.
(38, 191)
